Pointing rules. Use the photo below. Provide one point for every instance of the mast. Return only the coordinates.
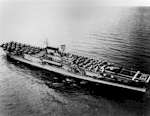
(46, 43)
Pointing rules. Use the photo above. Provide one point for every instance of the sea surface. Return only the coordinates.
(121, 36)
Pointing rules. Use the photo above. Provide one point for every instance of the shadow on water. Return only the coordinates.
(71, 86)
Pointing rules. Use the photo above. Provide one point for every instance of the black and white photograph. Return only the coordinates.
(74, 58)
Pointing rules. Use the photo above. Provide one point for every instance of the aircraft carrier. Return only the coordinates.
(89, 69)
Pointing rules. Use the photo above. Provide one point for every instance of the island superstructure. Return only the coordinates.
(75, 66)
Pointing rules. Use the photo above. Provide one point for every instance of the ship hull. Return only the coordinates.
(70, 74)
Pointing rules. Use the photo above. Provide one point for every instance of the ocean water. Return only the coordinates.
(122, 38)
